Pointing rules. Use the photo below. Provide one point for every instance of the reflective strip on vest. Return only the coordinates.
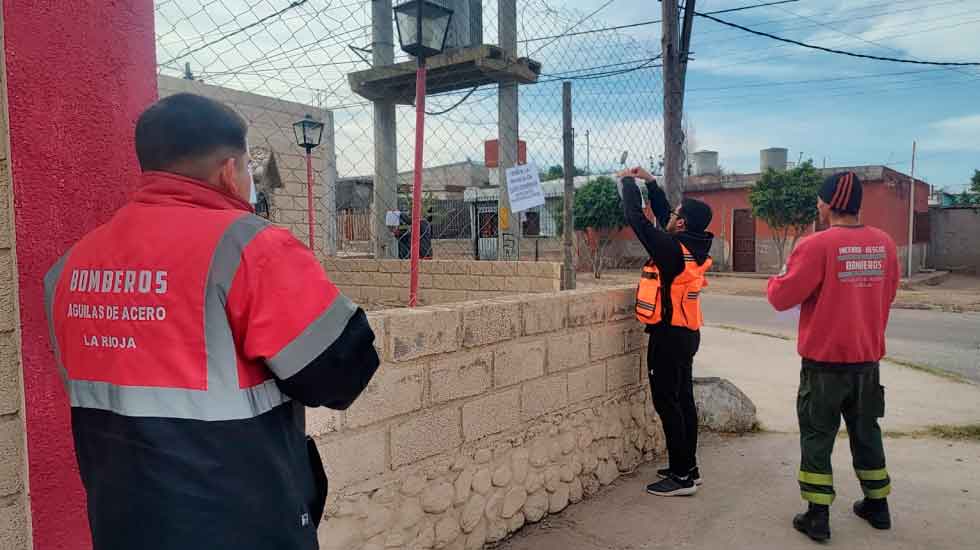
(684, 292)
(223, 399)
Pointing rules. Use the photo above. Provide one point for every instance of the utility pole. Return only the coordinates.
(509, 226)
(911, 213)
(685, 50)
(588, 157)
(328, 202)
(673, 108)
(568, 141)
(385, 187)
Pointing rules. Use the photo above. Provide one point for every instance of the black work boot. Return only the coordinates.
(875, 512)
(815, 523)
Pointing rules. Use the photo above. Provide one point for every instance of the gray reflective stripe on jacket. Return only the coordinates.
(51, 279)
(223, 399)
(311, 343)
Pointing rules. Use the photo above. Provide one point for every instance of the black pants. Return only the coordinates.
(670, 360)
(828, 391)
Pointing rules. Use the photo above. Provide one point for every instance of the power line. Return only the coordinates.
(865, 40)
(811, 80)
(842, 19)
(836, 51)
(238, 31)
(569, 29)
(644, 23)
(457, 104)
(646, 64)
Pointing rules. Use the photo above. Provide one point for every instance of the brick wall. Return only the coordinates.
(485, 416)
(14, 530)
(385, 282)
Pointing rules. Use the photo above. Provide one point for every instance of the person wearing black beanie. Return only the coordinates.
(842, 193)
(844, 280)
(668, 303)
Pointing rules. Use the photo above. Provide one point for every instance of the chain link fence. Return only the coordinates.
(276, 61)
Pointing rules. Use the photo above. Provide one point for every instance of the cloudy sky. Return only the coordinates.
(746, 93)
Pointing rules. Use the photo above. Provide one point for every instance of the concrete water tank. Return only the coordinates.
(774, 157)
(466, 27)
(705, 163)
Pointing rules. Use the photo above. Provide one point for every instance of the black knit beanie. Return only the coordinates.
(697, 215)
(842, 192)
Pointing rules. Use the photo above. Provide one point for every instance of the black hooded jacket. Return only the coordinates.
(662, 247)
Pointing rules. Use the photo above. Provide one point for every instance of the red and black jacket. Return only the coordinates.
(190, 334)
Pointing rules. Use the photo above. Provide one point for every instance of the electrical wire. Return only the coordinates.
(865, 40)
(294, 4)
(569, 29)
(457, 104)
(645, 23)
(836, 51)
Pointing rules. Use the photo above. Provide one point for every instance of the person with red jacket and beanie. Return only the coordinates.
(844, 279)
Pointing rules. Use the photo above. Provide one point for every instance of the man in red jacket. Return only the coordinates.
(844, 279)
(190, 334)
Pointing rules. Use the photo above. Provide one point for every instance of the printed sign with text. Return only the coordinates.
(524, 187)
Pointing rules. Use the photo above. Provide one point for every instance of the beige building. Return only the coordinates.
(281, 175)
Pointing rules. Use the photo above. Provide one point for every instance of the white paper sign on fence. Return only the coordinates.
(524, 187)
(392, 218)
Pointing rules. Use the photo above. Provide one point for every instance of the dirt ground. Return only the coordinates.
(959, 293)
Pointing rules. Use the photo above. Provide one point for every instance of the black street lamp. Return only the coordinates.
(422, 29)
(308, 133)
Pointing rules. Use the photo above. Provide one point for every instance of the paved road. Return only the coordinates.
(947, 341)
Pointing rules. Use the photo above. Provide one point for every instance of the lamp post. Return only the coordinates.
(308, 133)
(422, 29)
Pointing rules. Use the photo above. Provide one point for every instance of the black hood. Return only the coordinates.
(698, 243)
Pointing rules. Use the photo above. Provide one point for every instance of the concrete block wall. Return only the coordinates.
(14, 524)
(385, 282)
(955, 239)
(485, 416)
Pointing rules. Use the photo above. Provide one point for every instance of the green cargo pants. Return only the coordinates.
(826, 392)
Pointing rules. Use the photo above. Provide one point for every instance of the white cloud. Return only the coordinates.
(955, 134)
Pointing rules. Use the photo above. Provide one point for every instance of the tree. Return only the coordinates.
(557, 172)
(598, 212)
(975, 182)
(785, 200)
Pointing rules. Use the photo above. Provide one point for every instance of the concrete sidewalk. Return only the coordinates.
(768, 371)
(750, 495)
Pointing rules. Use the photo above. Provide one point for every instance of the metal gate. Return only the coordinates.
(485, 231)
(743, 241)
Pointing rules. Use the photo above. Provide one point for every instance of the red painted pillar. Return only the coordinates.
(79, 73)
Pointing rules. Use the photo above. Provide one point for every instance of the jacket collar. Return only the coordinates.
(166, 189)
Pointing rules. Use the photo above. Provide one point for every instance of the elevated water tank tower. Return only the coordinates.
(705, 163)
(773, 157)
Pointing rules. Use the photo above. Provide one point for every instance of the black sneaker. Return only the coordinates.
(815, 523)
(695, 474)
(874, 511)
(673, 486)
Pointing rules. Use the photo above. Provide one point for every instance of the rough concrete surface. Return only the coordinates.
(750, 496)
(768, 371)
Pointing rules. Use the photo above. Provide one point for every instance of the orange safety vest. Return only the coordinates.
(685, 293)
